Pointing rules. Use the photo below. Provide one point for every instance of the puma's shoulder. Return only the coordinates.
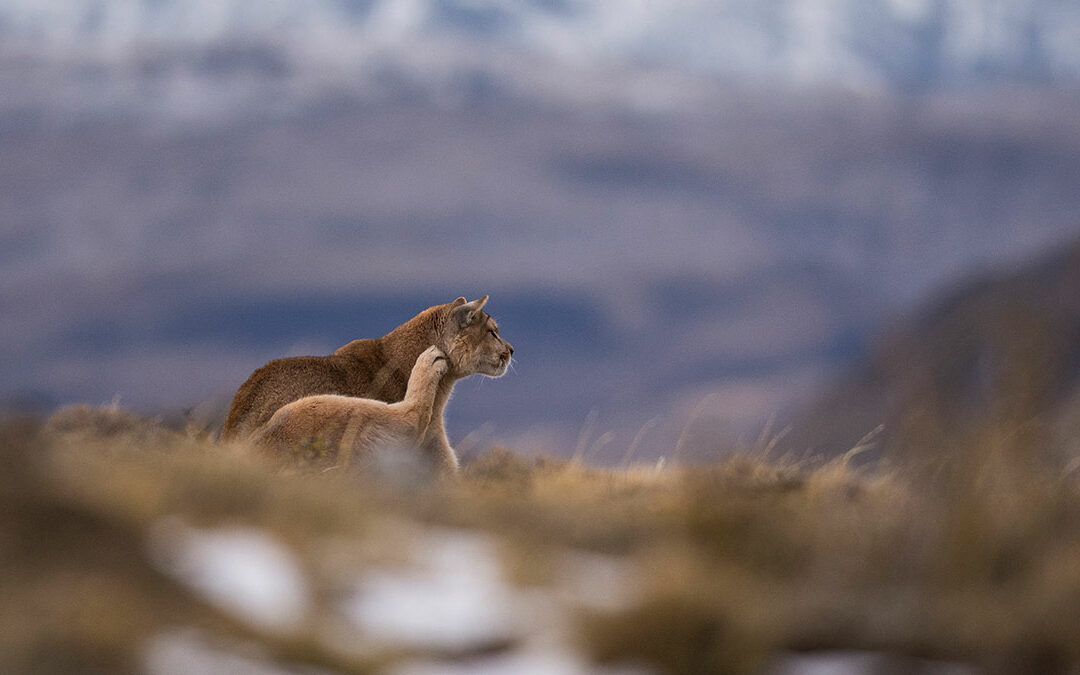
(278, 382)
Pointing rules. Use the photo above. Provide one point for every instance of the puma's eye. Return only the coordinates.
(492, 331)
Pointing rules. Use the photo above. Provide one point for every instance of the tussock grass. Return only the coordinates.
(732, 562)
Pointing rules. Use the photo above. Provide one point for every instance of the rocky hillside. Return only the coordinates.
(1001, 353)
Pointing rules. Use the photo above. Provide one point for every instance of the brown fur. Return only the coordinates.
(379, 369)
(347, 429)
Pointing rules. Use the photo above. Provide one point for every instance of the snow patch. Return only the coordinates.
(862, 663)
(187, 652)
(452, 595)
(241, 570)
(524, 662)
(452, 598)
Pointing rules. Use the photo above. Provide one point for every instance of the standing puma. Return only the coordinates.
(379, 368)
(347, 429)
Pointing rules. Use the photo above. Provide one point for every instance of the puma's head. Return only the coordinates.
(473, 341)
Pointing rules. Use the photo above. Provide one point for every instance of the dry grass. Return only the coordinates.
(733, 563)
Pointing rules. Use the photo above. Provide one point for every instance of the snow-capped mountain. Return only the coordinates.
(864, 44)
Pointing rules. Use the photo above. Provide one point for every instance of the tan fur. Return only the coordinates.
(343, 430)
(379, 369)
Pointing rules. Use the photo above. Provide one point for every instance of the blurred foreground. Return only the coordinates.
(131, 547)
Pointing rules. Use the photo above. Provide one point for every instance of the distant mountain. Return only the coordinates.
(865, 44)
(998, 354)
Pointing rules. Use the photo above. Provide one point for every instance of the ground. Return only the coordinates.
(130, 546)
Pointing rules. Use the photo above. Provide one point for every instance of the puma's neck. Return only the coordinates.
(442, 397)
(404, 344)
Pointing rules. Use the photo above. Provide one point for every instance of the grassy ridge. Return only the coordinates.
(726, 566)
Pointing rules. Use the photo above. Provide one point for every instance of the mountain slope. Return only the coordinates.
(999, 354)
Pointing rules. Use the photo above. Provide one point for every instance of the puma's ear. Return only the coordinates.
(459, 301)
(464, 314)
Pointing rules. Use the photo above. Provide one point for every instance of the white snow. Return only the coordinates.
(800, 41)
(453, 598)
(861, 663)
(241, 570)
(187, 652)
(523, 662)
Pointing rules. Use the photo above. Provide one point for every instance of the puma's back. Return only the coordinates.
(362, 373)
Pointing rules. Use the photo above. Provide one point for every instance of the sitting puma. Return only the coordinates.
(379, 369)
(347, 428)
